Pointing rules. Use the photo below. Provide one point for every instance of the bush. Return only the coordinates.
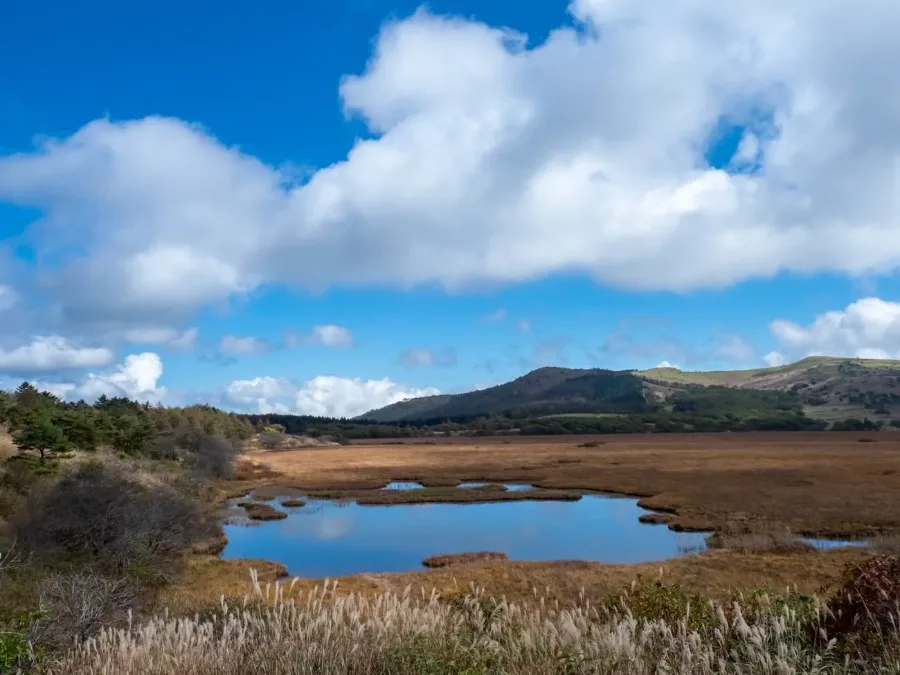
(270, 440)
(75, 606)
(866, 606)
(106, 514)
(213, 457)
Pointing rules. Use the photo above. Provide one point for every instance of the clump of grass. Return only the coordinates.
(591, 444)
(449, 560)
(293, 503)
(652, 629)
(261, 511)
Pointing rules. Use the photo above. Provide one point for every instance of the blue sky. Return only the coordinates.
(326, 207)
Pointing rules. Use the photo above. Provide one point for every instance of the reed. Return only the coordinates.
(276, 632)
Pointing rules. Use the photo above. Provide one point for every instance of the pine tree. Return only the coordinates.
(38, 432)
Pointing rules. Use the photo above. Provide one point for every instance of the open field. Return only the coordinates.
(827, 484)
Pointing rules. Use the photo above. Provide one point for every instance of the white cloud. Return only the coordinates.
(867, 328)
(489, 161)
(666, 364)
(242, 346)
(8, 297)
(523, 325)
(52, 353)
(136, 378)
(325, 395)
(773, 359)
(328, 335)
(170, 337)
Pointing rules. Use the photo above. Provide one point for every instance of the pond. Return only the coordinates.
(328, 539)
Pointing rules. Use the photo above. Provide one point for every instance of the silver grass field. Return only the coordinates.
(324, 633)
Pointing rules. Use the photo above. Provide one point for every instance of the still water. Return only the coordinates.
(326, 538)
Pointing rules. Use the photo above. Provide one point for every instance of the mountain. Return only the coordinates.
(826, 388)
(540, 392)
(829, 388)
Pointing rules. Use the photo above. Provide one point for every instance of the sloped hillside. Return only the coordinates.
(830, 388)
(542, 391)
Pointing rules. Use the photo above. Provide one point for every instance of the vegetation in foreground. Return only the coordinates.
(652, 628)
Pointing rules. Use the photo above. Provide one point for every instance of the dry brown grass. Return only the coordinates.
(7, 447)
(454, 559)
(275, 631)
(714, 574)
(825, 484)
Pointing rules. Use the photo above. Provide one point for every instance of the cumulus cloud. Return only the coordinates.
(327, 335)
(52, 353)
(242, 346)
(136, 378)
(666, 364)
(489, 160)
(774, 358)
(324, 395)
(868, 328)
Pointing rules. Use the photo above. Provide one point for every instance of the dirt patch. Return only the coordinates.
(455, 559)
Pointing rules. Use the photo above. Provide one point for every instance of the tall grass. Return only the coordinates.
(323, 633)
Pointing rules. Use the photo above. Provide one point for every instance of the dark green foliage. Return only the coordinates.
(81, 427)
(37, 431)
(854, 424)
(131, 434)
(540, 392)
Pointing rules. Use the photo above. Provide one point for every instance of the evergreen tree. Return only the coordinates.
(131, 434)
(38, 432)
(81, 427)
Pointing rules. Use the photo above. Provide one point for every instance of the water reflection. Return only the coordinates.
(332, 539)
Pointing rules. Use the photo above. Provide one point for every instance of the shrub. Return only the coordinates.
(104, 512)
(270, 440)
(212, 456)
(75, 606)
(866, 606)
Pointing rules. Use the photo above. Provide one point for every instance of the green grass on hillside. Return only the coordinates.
(736, 377)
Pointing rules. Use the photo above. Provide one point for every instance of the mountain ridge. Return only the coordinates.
(827, 387)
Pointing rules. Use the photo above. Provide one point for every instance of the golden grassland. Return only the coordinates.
(824, 483)
(713, 574)
(828, 484)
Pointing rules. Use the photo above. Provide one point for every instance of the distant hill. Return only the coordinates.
(826, 388)
(540, 392)
(829, 388)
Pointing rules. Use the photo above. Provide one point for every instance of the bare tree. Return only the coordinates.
(75, 606)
